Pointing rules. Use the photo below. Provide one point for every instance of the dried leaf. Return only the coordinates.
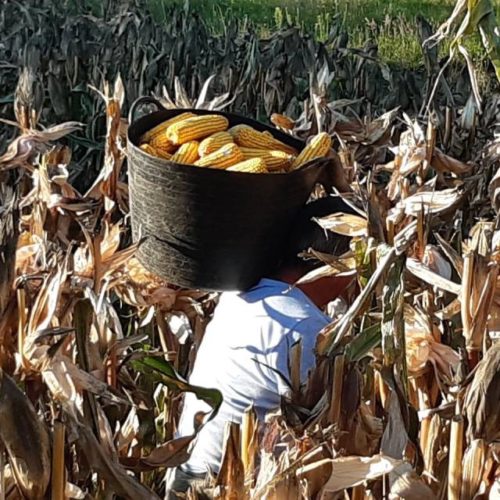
(431, 202)
(421, 271)
(170, 454)
(115, 477)
(25, 438)
(348, 472)
(346, 224)
(479, 404)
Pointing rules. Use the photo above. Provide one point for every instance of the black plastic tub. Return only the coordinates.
(206, 228)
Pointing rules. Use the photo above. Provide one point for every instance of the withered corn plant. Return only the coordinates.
(95, 350)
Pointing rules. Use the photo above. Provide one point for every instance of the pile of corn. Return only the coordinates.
(207, 141)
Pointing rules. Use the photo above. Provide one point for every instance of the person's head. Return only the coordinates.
(307, 234)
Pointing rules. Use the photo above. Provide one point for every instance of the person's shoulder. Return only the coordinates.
(264, 287)
(280, 300)
(268, 289)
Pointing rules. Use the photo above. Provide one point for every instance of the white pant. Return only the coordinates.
(179, 481)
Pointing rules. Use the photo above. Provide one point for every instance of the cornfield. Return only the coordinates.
(67, 53)
(95, 350)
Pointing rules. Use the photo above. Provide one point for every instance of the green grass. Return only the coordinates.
(391, 23)
(308, 12)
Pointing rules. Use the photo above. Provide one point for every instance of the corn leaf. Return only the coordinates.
(25, 438)
(363, 343)
(348, 472)
(165, 373)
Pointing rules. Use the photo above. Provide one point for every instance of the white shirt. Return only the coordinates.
(245, 346)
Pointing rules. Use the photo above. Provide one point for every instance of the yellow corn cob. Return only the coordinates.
(275, 160)
(163, 154)
(224, 157)
(252, 166)
(187, 153)
(196, 128)
(214, 142)
(282, 121)
(246, 136)
(150, 150)
(162, 127)
(317, 148)
(163, 142)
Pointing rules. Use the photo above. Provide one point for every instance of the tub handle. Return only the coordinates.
(140, 101)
